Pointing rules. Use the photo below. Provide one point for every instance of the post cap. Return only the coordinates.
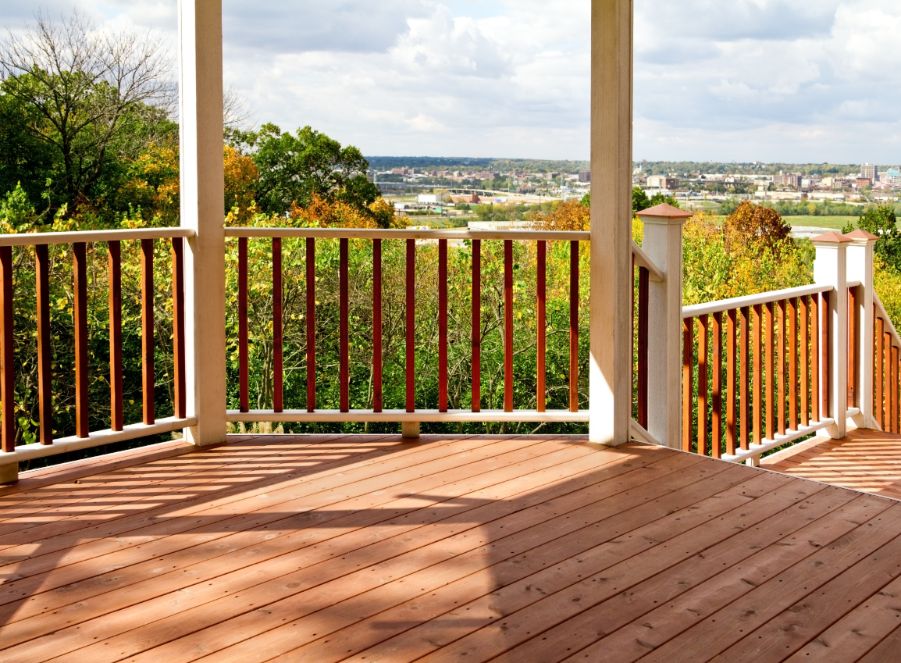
(831, 237)
(664, 211)
(861, 236)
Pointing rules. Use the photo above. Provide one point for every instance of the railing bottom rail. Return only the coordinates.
(400, 416)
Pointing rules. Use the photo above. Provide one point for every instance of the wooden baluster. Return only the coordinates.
(815, 358)
(780, 368)
(45, 381)
(687, 359)
(792, 340)
(178, 328)
(703, 327)
(879, 374)
(117, 418)
(278, 329)
(147, 345)
(80, 269)
(644, 278)
(377, 390)
(7, 357)
(731, 396)
(758, 374)
(343, 326)
(824, 351)
(894, 387)
(508, 326)
(887, 380)
(745, 358)
(852, 349)
(804, 357)
(476, 325)
(442, 325)
(573, 326)
(716, 396)
(310, 250)
(243, 359)
(411, 326)
(541, 326)
(769, 403)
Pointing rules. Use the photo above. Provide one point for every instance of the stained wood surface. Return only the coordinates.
(865, 460)
(454, 548)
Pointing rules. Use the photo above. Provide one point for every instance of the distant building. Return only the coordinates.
(427, 199)
(863, 182)
(869, 172)
(585, 176)
(661, 182)
(787, 181)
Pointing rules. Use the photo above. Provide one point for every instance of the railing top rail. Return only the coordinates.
(889, 327)
(708, 308)
(408, 233)
(642, 260)
(91, 236)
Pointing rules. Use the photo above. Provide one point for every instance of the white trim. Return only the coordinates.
(97, 438)
(754, 450)
(395, 416)
(639, 433)
(752, 300)
(93, 236)
(643, 260)
(401, 234)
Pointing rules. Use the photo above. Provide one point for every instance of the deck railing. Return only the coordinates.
(886, 374)
(16, 255)
(414, 410)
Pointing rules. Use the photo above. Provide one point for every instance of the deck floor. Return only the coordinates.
(372, 549)
(866, 460)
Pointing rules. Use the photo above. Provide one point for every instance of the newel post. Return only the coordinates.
(663, 245)
(860, 268)
(202, 196)
(830, 268)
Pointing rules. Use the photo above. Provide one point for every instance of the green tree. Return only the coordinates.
(293, 168)
(882, 222)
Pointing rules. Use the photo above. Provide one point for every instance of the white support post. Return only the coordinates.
(609, 379)
(202, 196)
(663, 245)
(830, 268)
(860, 268)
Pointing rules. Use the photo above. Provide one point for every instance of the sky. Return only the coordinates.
(717, 80)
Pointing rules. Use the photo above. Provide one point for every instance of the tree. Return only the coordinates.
(882, 222)
(755, 224)
(293, 168)
(86, 96)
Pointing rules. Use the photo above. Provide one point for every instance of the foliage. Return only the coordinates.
(295, 168)
(641, 201)
(567, 215)
(882, 222)
(755, 224)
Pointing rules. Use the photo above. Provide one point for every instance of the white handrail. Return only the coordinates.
(408, 233)
(752, 300)
(643, 260)
(92, 236)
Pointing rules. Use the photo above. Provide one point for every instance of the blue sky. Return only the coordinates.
(769, 80)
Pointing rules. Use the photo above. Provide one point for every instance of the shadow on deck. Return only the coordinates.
(466, 548)
(865, 460)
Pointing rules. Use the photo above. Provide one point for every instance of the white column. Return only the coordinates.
(609, 379)
(202, 201)
(830, 268)
(663, 245)
(860, 268)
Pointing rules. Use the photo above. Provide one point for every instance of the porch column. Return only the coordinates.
(202, 196)
(830, 268)
(609, 379)
(860, 268)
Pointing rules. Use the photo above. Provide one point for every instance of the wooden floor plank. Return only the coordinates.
(341, 523)
(344, 576)
(708, 638)
(648, 631)
(517, 611)
(538, 548)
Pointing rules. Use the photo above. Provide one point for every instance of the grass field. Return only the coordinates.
(834, 222)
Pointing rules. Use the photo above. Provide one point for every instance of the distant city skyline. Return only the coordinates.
(749, 80)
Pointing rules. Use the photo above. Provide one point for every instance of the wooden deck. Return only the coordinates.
(526, 549)
(865, 460)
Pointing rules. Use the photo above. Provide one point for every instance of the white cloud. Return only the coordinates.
(742, 80)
